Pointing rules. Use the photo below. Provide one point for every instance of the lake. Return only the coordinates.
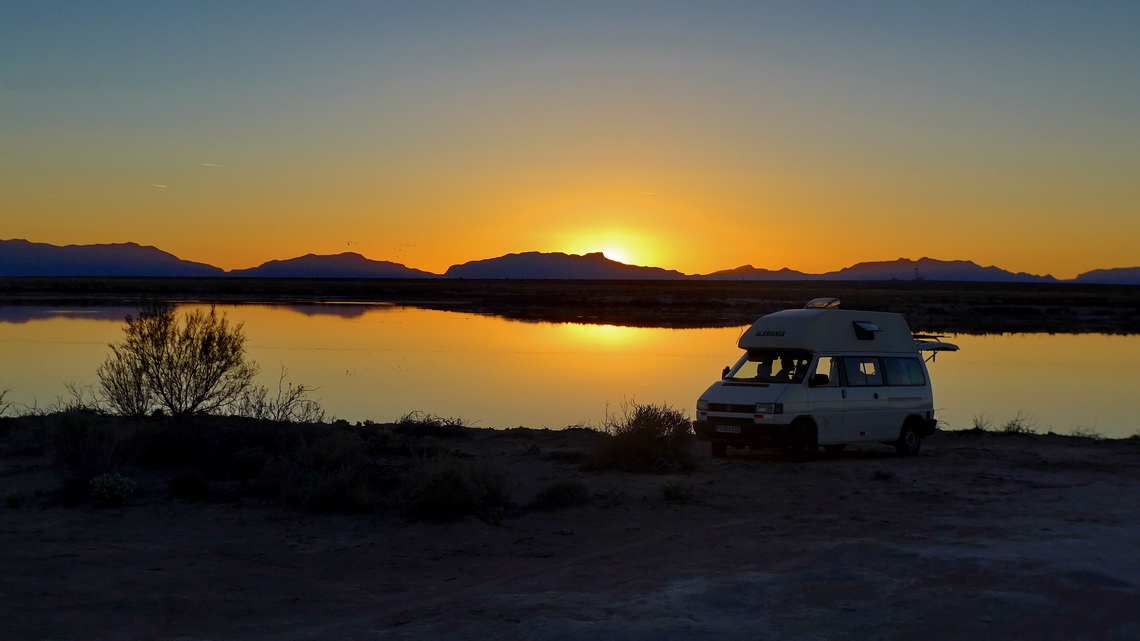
(379, 362)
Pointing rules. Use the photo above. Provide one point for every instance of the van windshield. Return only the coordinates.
(771, 366)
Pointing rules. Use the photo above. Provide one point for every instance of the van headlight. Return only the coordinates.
(769, 408)
(702, 405)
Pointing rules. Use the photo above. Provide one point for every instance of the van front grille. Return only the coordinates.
(731, 407)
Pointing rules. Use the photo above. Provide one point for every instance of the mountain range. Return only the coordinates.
(23, 258)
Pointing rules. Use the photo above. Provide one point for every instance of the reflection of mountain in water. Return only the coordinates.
(342, 310)
(18, 314)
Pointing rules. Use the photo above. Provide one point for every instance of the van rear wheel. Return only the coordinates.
(910, 441)
(836, 448)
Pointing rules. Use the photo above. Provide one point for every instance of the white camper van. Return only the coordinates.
(823, 376)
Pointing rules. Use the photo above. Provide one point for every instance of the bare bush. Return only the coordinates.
(291, 404)
(196, 366)
(445, 487)
(654, 438)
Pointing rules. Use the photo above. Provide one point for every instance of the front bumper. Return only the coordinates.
(750, 434)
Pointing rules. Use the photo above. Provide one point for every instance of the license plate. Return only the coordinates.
(727, 429)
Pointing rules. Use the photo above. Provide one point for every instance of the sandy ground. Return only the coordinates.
(981, 536)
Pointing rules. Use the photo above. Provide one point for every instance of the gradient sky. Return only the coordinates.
(693, 136)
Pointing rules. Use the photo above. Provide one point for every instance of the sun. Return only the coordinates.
(623, 244)
(618, 253)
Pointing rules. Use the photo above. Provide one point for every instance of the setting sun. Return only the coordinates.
(632, 246)
(620, 254)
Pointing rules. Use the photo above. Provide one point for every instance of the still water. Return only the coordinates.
(379, 362)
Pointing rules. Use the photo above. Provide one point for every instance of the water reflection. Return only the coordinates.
(378, 362)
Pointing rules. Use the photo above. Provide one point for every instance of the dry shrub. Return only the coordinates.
(446, 486)
(90, 444)
(190, 484)
(195, 364)
(673, 492)
(418, 423)
(646, 438)
(560, 494)
(330, 475)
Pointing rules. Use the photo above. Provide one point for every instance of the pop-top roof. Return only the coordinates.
(830, 330)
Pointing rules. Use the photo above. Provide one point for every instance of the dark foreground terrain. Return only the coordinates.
(928, 305)
(981, 536)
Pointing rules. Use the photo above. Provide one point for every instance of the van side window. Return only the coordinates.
(826, 372)
(862, 371)
(904, 371)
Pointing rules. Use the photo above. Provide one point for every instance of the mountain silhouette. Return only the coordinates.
(748, 272)
(1119, 276)
(19, 257)
(932, 269)
(346, 265)
(558, 266)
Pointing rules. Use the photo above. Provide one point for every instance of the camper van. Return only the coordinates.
(823, 376)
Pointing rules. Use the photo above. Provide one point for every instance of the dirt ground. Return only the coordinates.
(981, 536)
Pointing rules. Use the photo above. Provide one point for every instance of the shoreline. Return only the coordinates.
(929, 306)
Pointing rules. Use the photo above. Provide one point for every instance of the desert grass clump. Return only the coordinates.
(560, 494)
(1086, 433)
(566, 456)
(446, 487)
(421, 424)
(91, 444)
(646, 438)
(332, 474)
(190, 484)
(1021, 423)
(111, 489)
(982, 423)
(5, 406)
(673, 492)
(883, 475)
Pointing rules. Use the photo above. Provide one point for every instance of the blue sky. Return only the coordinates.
(435, 133)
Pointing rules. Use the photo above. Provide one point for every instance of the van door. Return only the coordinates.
(867, 411)
(825, 400)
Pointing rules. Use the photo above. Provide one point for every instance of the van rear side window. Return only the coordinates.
(904, 371)
(862, 371)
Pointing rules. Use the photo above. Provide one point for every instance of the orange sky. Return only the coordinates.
(664, 134)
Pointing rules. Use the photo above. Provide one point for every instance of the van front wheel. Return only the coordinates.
(910, 441)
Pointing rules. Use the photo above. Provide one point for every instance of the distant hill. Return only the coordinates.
(901, 269)
(932, 269)
(346, 265)
(1118, 276)
(748, 272)
(558, 266)
(22, 258)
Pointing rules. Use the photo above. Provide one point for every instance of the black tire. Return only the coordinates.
(719, 450)
(910, 440)
(836, 448)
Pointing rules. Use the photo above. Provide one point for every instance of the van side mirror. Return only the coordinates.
(724, 372)
(819, 380)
